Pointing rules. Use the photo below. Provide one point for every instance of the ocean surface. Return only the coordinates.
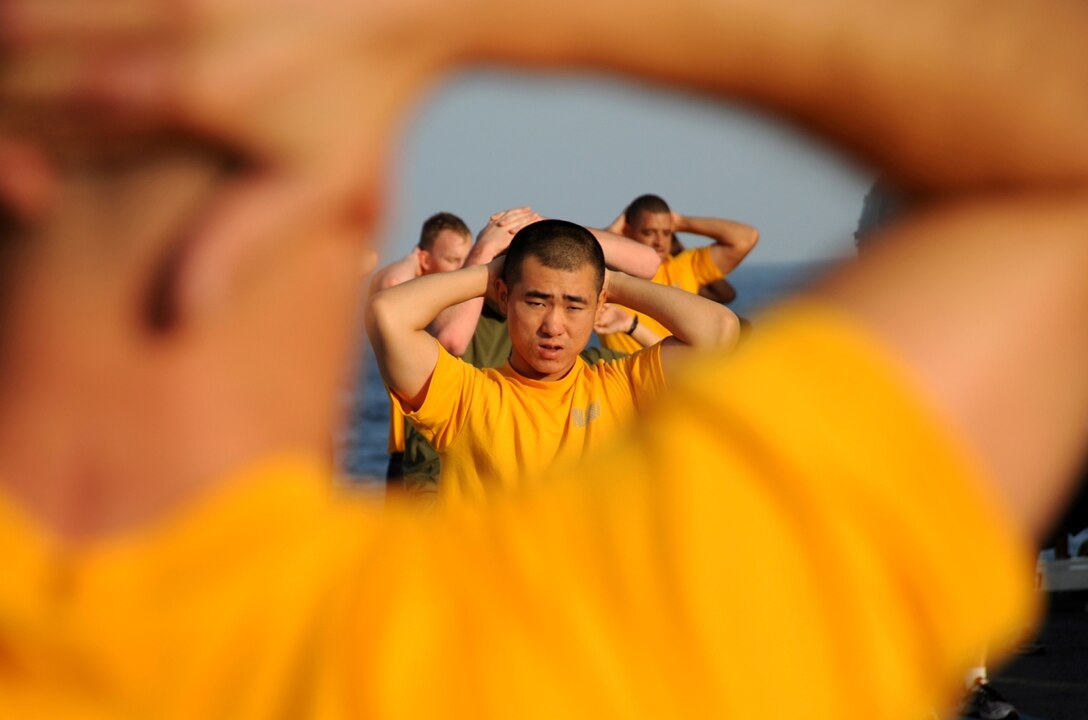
(362, 452)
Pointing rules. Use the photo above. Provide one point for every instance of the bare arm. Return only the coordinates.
(732, 240)
(396, 322)
(614, 319)
(454, 326)
(695, 322)
(1010, 378)
(626, 255)
(883, 55)
(403, 270)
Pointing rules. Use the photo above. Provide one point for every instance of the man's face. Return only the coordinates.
(550, 315)
(653, 229)
(448, 253)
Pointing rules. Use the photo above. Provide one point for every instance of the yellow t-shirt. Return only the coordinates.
(396, 429)
(773, 522)
(495, 429)
(690, 270)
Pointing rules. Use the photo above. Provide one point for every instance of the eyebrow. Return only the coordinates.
(541, 295)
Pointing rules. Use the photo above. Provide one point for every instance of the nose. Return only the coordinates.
(552, 323)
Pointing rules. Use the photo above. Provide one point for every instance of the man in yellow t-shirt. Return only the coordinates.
(175, 344)
(650, 221)
(496, 429)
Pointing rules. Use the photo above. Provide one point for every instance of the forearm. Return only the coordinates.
(730, 233)
(1014, 113)
(396, 319)
(644, 336)
(691, 319)
(399, 272)
(412, 306)
(626, 255)
(1008, 376)
(454, 326)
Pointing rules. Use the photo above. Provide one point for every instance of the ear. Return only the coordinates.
(602, 298)
(425, 261)
(167, 196)
(502, 295)
(246, 215)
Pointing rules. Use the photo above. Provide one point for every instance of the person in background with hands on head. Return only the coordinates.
(444, 242)
(650, 221)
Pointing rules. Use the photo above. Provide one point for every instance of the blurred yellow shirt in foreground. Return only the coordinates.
(779, 539)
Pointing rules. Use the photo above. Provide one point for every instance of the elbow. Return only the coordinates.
(649, 262)
(378, 317)
(749, 239)
(456, 343)
(728, 329)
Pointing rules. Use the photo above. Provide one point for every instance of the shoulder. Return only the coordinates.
(699, 254)
(641, 366)
(395, 273)
(688, 259)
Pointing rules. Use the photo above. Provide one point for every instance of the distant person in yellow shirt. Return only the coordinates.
(495, 430)
(177, 331)
(650, 221)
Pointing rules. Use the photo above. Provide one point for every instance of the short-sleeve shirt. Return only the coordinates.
(690, 270)
(494, 427)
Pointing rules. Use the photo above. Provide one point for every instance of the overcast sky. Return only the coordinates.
(581, 149)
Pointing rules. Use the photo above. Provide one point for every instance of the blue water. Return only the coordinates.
(362, 449)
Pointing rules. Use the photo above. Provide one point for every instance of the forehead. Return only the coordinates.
(449, 240)
(535, 276)
(657, 221)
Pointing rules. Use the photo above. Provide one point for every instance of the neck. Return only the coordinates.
(523, 368)
(92, 448)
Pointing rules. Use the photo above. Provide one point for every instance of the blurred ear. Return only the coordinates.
(251, 216)
(191, 191)
(602, 298)
(426, 261)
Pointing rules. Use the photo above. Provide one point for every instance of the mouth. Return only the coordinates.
(549, 351)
